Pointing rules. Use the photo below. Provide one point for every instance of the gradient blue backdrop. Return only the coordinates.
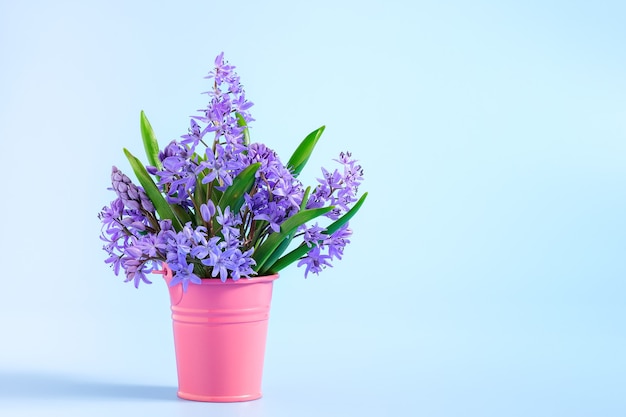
(486, 273)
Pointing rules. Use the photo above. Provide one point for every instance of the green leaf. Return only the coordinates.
(303, 152)
(301, 250)
(160, 204)
(216, 196)
(282, 247)
(150, 143)
(241, 122)
(233, 197)
(181, 213)
(287, 241)
(199, 198)
(336, 225)
(305, 198)
(263, 252)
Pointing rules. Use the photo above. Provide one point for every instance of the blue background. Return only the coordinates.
(486, 273)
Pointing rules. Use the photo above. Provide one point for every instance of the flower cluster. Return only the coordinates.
(214, 205)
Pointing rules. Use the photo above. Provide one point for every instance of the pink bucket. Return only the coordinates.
(220, 329)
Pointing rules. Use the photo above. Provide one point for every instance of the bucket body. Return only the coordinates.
(220, 330)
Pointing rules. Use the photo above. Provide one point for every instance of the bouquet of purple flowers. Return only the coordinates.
(213, 204)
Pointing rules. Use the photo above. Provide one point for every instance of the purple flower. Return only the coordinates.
(177, 176)
(278, 194)
(336, 188)
(110, 215)
(241, 264)
(331, 181)
(313, 235)
(218, 166)
(274, 214)
(230, 231)
(219, 261)
(315, 261)
(227, 98)
(136, 269)
(194, 137)
(125, 233)
(183, 273)
(131, 195)
(152, 246)
(207, 211)
(178, 179)
(338, 241)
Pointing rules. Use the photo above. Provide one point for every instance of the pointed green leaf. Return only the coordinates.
(160, 204)
(216, 196)
(199, 198)
(336, 225)
(150, 143)
(181, 213)
(241, 122)
(278, 252)
(263, 252)
(282, 247)
(233, 197)
(303, 152)
(301, 250)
